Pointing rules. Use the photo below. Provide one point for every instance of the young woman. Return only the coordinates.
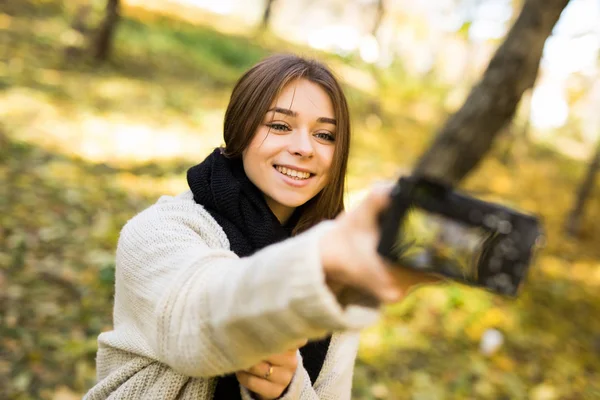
(219, 289)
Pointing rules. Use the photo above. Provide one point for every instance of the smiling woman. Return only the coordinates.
(292, 99)
(240, 287)
(291, 153)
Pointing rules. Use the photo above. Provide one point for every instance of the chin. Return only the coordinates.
(292, 201)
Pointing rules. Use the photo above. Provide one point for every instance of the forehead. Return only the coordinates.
(305, 97)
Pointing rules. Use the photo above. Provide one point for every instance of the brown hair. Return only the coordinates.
(250, 100)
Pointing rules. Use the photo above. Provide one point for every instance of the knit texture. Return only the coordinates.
(186, 309)
(222, 187)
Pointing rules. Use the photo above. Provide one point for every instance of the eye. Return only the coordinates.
(279, 127)
(326, 136)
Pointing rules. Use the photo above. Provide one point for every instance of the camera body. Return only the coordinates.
(433, 228)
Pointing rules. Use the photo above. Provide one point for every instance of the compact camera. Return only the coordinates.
(433, 228)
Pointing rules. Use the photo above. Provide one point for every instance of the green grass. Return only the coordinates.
(187, 53)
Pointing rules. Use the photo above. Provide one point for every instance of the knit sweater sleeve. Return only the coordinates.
(185, 300)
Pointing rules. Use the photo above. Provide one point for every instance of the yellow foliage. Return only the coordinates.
(504, 362)
(502, 184)
(491, 318)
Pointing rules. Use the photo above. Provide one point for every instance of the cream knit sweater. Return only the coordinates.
(187, 309)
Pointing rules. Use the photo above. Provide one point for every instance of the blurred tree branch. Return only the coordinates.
(104, 38)
(573, 222)
(469, 133)
(380, 10)
(266, 18)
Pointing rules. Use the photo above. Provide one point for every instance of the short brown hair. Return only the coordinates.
(250, 100)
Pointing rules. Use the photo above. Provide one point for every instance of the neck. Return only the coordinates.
(282, 213)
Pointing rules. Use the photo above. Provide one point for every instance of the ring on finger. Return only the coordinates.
(269, 372)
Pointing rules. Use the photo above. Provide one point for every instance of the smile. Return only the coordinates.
(298, 175)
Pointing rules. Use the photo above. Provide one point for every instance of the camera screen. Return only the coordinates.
(433, 243)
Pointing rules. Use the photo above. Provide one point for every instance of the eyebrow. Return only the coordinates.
(294, 114)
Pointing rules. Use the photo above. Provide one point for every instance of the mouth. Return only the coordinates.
(293, 174)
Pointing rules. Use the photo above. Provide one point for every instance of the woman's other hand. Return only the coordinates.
(270, 378)
(350, 258)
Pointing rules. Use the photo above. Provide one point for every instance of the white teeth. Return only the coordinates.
(293, 173)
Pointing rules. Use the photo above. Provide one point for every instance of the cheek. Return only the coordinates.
(265, 144)
(257, 155)
(327, 160)
(250, 160)
(255, 147)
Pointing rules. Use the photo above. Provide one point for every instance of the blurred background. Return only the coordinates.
(104, 104)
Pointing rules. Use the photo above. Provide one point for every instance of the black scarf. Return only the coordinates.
(221, 186)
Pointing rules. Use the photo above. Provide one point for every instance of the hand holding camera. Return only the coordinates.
(421, 231)
(350, 259)
(433, 228)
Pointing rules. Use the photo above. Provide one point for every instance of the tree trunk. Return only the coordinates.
(379, 14)
(468, 134)
(106, 32)
(267, 14)
(574, 220)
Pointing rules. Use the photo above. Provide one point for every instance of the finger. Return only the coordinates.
(372, 277)
(260, 386)
(288, 360)
(377, 280)
(261, 369)
(410, 279)
(378, 199)
(298, 345)
(278, 374)
(390, 283)
(383, 185)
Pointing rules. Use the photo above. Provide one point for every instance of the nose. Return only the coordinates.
(301, 143)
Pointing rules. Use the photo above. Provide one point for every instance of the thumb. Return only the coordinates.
(378, 199)
(379, 283)
(300, 344)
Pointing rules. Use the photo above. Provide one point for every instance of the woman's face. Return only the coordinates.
(291, 152)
